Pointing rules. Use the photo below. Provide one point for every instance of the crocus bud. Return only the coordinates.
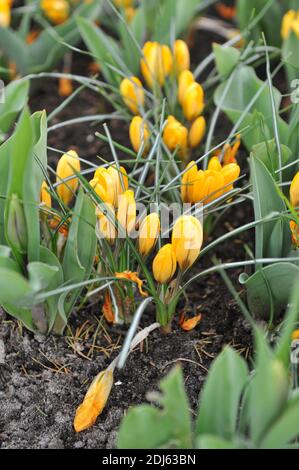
(139, 134)
(5, 13)
(130, 13)
(56, 10)
(294, 191)
(45, 196)
(16, 225)
(214, 164)
(181, 56)
(197, 132)
(148, 233)
(119, 180)
(100, 192)
(164, 264)
(230, 173)
(104, 178)
(290, 23)
(187, 237)
(193, 101)
(188, 180)
(156, 64)
(175, 136)
(133, 94)
(126, 214)
(186, 79)
(107, 226)
(94, 401)
(65, 169)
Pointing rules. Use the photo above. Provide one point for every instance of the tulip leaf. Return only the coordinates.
(226, 59)
(245, 89)
(4, 171)
(268, 154)
(78, 255)
(266, 200)
(147, 427)
(221, 395)
(15, 49)
(208, 441)
(270, 287)
(15, 99)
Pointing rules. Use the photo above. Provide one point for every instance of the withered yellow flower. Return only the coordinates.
(290, 23)
(132, 92)
(56, 10)
(126, 214)
(294, 191)
(186, 79)
(164, 264)
(181, 56)
(187, 238)
(197, 132)
(133, 277)
(156, 64)
(230, 151)
(65, 169)
(193, 101)
(94, 401)
(188, 324)
(45, 196)
(175, 136)
(139, 134)
(148, 233)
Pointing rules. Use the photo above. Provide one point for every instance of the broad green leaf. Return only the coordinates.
(220, 398)
(285, 428)
(267, 153)
(226, 59)
(144, 427)
(268, 389)
(283, 348)
(4, 171)
(270, 286)
(14, 289)
(40, 275)
(170, 427)
(207, 441)
(15, 49)
(267, 201)
(104, 49)
(246, 88)
(6, 261)
(15, 95)
(290, 54)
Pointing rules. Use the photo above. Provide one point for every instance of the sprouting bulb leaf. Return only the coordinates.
(94, 401)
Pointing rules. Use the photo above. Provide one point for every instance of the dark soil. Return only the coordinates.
(43, 380)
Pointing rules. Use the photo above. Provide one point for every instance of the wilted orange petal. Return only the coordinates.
(32, 36)
(94, 401)
(227, 12)
(65, 87)
(189, 324)
(55, 222)
(295, 335)
(130, 276)
(107, 308)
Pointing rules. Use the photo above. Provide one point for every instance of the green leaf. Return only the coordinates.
(285, 428)
(104, 49)
(226, 59)
(4, 171)
(146, 427)
(268, 154)
(268, 389)
(40, 275)
(271, 286)
(220, 398)
(283, 348)
(16, 95)
(15, 49)
(14, 289)
(266, 201)
(247, 88)
(207, 441)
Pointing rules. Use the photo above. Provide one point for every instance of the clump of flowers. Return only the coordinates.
(185, 129)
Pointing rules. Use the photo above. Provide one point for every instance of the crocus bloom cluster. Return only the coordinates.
(184, 249)
(290, 23)
(294, 199)
(157, 64)
(56, 10)
(206, 186)
(5, 13)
